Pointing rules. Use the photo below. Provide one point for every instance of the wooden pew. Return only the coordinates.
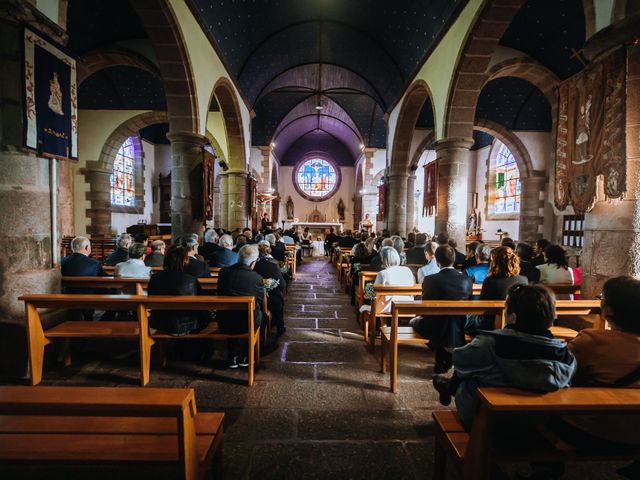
(363, 278)
(290, 259)
(394, 335)
(38, 338)
(110, 269)
(110, 425)
(137, 285)
(370, 318)
(473, 453)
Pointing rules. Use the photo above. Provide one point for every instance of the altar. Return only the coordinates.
(318, 227)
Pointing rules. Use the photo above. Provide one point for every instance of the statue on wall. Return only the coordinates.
(289, 208)
(341, 209)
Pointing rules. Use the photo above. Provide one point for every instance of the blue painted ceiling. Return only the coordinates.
(358, 54)
(547, 30)
(515, 104)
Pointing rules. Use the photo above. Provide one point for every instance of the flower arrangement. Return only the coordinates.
(284, 268)
(270, 284)
(369, 292)
(355, 268)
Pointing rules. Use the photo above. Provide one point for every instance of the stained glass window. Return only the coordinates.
(507, 183)
(123, 176)
(316, 178)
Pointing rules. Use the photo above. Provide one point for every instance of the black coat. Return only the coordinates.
(529, 270)
(447, 284)
(459, 258)
(197, 268)
(375, 263)
(278, 251)
(347, 243)
(79, 265)
(208, 249)
(176, 321)
(239, 280)
(267, 268)
(154, 259)
(415, 255)
(118, 255)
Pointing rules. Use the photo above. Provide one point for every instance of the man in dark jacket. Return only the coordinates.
(445, 332)
(267, 267)
(347, 242)
(278, 248)
(195, 267)
(240, 280)
(121, 253)
(224, 256)
(210, 245)
(156, 258)
(415, 255)
(78, 264)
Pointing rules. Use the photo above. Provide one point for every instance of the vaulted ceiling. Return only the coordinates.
(352, 58)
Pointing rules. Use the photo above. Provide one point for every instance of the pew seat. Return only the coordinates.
(473, 453)
(110, 425)
(38, 338)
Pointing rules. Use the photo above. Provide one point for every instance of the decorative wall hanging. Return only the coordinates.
(208, 163)
(50, 98)
(590, 134)
(430, 197)
(381, 201)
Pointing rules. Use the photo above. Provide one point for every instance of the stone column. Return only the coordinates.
(99, 213)
(396, 200)
(411, 204)
(186, 182)
(265, 186)
(224, 195)
(532, 206)
(238, 198)
(453, 155)
(612, 228)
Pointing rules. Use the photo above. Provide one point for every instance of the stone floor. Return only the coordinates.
(318, 409)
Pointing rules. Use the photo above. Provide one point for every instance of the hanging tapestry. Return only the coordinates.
(430, 198)
(50, 98)
(208, 162)
(590, 134)
(381, 200)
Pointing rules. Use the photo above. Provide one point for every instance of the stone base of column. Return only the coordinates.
(186, 183)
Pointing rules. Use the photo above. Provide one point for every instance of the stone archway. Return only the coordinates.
(471, 70)
(98, 172)
(398, 175)
(532, 181)
(158, 20)
(96, 60)
(228, 101)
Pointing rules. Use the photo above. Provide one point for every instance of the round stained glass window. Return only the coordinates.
(316, 179)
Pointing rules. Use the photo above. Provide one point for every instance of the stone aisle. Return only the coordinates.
(320, 409)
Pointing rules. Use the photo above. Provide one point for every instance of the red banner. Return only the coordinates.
(381, 200)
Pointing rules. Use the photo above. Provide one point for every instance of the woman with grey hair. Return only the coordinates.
(393, 273)
(398, 244)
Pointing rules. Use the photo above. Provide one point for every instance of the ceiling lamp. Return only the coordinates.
(319, 106)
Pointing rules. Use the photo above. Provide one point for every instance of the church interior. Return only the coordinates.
(304, 239)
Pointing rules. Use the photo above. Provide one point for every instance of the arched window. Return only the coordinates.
(504, 184)
(123, 175)
(316, 179)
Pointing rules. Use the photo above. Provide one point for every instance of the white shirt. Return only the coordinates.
(428, 269)
(395, 276)
(132, 268)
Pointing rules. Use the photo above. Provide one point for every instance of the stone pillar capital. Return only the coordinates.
(266, 150)
(397, 171)
(453, 143)
(237, 173)
(369, 151)
(187, 137)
